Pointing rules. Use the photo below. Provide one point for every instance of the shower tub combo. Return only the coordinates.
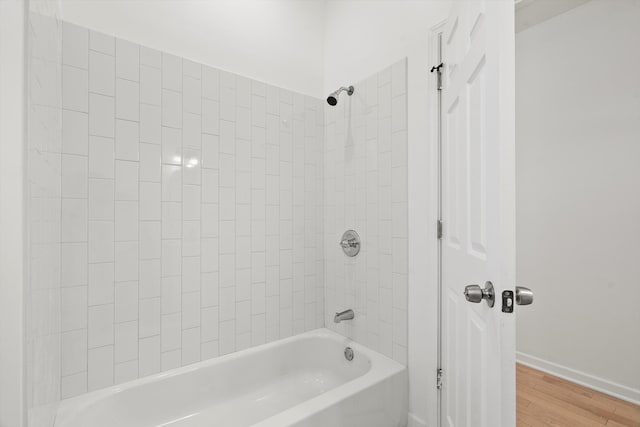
(306, 380)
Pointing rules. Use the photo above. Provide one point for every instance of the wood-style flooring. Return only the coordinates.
(544, 400)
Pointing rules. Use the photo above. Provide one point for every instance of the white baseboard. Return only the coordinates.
(415, 421)
(605, 386)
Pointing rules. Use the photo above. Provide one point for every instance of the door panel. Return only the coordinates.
(478, 213)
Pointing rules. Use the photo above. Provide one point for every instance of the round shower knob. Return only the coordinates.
(350, 243)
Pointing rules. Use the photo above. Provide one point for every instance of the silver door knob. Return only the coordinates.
(474, 293)
(524, 296)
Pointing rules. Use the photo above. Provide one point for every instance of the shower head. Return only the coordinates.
(332, 99)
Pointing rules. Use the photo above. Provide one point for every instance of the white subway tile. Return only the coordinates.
(149, 282)
(209, 220)
(126, 182)
(75, 45)
(73, 264)
(192, 95)
(73, 308)
(171, 183)
(150, 85)
(191, 309)
(150, 123)
(75, 132)
(100, 325)
(74, 220)
(127, 140)
(243, 283)
(126, 221)
(171, 72)
(126, 342)
(126, 371)
(171, 359)
(127, 100)
(191, 202)
(150, 310)
(191, 131)
(126, 301)
(171, 146)
(227, 341)
(399, 78)
(101, 288)
(209, 327)
(75, 88)
(171, 220)
(101, 115)
(74, 176)
(171, 331)
(73, 385)
(101, 203)
(149, 355)
(190, 346)
(190, 274)
(127, 60)
(171, 108)
(100, 373)
(150, 235)
(101, 157)
(126, 261)
(192, 69)
(102, 43)
(258, 111)
(150, 57)
(150, 201)
(209, 289)
(210, 83)
(191, 163)
(191, 238)
(227, 103)
(101, 240)
(150, 162)
(210, 117)
(73, 352)
(102, 75)
(210, 186)
(258, 326)
(171, 257)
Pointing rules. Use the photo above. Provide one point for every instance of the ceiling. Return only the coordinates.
(533, 12)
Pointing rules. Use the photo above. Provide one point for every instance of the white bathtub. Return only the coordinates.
(299, 381)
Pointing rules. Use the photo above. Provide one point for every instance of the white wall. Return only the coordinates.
(279, 42)
(578, 207)
(363, 37)
(12, 116)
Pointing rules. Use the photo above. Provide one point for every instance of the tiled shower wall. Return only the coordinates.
(43, 195)
(366, 190)
(191, 212)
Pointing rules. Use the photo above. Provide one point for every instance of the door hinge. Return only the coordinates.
(439, 374)
(439, 229)
(438, 70)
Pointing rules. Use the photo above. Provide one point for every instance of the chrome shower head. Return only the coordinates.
(332, 99)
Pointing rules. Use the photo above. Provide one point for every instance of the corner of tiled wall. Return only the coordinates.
(43, 211)
(365, 179)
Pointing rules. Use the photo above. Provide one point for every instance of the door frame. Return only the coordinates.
(435, 142)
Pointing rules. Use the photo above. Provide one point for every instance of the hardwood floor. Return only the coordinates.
(544, 400)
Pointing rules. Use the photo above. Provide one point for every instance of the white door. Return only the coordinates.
(478, 213)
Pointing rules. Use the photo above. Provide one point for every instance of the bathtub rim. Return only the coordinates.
(381, 368)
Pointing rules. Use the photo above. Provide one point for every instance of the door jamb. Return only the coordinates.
(435, 120)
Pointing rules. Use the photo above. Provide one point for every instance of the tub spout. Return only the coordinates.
(343, 315)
